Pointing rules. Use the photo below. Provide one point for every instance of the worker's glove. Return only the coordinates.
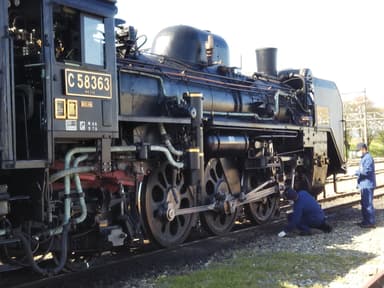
(282, 234)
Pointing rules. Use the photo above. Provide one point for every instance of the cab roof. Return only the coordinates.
(106, 8)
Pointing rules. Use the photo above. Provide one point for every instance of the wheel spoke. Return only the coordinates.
(161, 186)
(216, 222)
(262, 212)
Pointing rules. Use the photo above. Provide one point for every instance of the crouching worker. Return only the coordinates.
(306, 214)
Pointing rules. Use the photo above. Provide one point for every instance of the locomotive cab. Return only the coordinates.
(23, 91)
(56, 81)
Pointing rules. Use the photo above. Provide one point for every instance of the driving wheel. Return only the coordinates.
(164, 193)
(262, 211)
(220, 220)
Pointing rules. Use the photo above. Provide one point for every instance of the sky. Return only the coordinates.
(338, 40)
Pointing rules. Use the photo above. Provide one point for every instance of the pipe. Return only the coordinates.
(67, 183)
(167, 154)
(69, 172)
(33, 263)
(168, 142)
(253, 115)
(233, 114)
(305, 75)
(79, 190)
(67, 180)
(67, 201)
(225, 144)
(293, 178)
(159, 78)
(78, 150)
(277, 103)
(75, 170)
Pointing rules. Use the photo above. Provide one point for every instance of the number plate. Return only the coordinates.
(88, 84)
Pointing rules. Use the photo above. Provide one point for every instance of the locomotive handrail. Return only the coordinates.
(183, 75)
(148, 75)
(244, 84)
(34, 65)
(188, 68)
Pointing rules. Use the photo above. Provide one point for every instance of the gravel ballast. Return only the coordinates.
(358, 252)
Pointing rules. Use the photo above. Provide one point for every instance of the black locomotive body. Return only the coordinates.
(104, 146)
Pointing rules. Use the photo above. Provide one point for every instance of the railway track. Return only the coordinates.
(129, 258)
(147, 258)
(339, 184)
(342, 178)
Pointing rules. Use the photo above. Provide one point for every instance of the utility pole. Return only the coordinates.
(365, 127)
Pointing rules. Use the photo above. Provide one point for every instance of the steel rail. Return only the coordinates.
(151, 251)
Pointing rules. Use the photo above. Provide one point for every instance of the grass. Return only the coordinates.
(376, 148)
(279, 269)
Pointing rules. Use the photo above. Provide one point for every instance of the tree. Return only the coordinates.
(356, 112)
(380, 136)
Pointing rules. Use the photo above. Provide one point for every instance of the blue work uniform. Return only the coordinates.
(366, 182)
(307, 214)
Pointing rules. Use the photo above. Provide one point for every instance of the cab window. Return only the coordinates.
(93, 40)
(79, 38)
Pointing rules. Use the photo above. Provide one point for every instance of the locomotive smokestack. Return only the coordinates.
(266, 61)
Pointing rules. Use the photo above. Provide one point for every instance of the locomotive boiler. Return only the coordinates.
(104, 145)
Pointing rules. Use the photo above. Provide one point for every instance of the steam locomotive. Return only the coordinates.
(105, 146)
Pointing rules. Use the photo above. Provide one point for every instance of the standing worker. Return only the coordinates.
(366, 182)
